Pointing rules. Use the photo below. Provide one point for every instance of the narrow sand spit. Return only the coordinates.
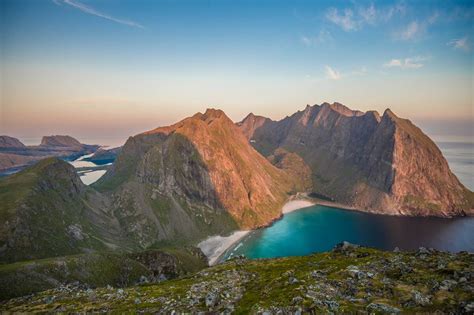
(215, 246)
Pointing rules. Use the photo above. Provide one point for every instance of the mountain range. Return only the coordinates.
(14, 155)
(376, 163)
(206, 175)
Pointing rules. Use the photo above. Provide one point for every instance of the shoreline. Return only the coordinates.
(214, 247)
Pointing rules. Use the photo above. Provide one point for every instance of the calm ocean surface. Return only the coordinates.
(319, 228)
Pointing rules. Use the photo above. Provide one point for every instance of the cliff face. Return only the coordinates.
(246, 184)
(192, 179)
(382, 164)
(47, 211)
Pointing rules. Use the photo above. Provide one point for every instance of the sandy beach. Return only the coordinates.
(215, 246)
(296, 205)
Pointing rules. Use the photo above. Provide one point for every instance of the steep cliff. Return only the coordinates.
(192, 179)
(383, 164)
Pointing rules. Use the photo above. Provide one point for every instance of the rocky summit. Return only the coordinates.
(349, 279)
(376, 163)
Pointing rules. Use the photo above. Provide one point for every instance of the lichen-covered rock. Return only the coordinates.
(263, 287)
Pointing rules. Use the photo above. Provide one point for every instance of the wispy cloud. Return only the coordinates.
(412, 31)
(407, 63)
(416, 29)
(368, 14)
(461, 44)
(344, 19)
(394, 10)
(89, 10)
(356, 17)
(322, 37)
(332, 74)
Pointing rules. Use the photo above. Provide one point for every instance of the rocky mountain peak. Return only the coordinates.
(395, 168)
(389, 114)
(214, 113)
(341, 109)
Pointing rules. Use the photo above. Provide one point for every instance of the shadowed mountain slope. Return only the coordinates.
(383, 164)
(46, 211)
(195, 178)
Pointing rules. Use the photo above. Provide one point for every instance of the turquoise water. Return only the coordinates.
(319, 228)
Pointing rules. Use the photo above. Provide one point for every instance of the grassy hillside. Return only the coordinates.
(348, 279)
(46, 211)
(98, 270)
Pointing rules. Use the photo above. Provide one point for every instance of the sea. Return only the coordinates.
(319, 228)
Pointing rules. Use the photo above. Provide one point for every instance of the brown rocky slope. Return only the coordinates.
(192, 179)
(381, 164)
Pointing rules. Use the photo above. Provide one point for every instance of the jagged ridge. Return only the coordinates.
(384, 164)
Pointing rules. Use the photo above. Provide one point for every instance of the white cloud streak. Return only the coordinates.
(322, 37)
(407, 63)
(461, 44)
(345, 19)
(89, 10)
(332, 73)
(411, 31)
(355, 18)
(416, 29)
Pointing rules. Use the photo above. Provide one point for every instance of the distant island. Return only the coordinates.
(14, 155)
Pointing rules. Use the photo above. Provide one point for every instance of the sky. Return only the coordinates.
(119, 67)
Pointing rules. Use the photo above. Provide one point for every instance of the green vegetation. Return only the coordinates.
(420, 203)
(346, 280)
(97, 270)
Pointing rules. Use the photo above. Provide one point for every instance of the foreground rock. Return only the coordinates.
(349, 279)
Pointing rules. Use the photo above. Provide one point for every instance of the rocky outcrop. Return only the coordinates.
(381, 164)
(350, 279)
(10, 142)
